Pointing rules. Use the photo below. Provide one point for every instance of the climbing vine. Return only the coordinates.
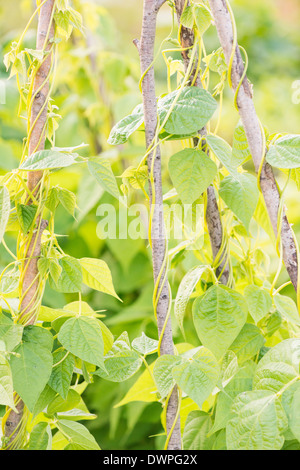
(233, 381)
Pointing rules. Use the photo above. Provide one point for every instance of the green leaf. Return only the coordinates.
(77, 434)
(162, 373)
(144, 389)
(285, 152)
(82, 336)
(222, 150)
(70, 280)
(67, 200)
(10, 332)
(47, 160)
(4, 210)
(34, 355)
(62, 371)
(45, 398)
(202, 18)
(120, 362)
(198, 377)
(259, 302)
(279, 368)
(26, 215)
(60, 405)
(248, 343)
(185, 290)
(197, 427)
(219, 316)
(258, 423)
(294, 417)
(229, 367)
(287, 308)
(191, 171)
(145, 345)
(235, 193)
(96, 274)
(100, 168)
(40, 437)
(191, 111)
(240, 148)
(187, 17)
(6, 384)
(241, 382)
(124, 128)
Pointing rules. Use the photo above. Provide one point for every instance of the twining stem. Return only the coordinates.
(158, 242)
(30, 289)
(226, 29)
(213, 219)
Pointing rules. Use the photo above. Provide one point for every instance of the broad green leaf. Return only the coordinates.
(72, 309)
(197, 427)
(4, 210)
(285, 152)
(45, 398)
(287, 308)
(191, 172)
(100, 168)
(258, 423)
(9, 281)
(185, 290)
(241, 382)
(145, 345)
(6, 384)
(191, 111)
(279, 368)
(76, 414)
(40, 437)
(187, 17)
(59, 404)
(198, 376)
(144, 389)
(219, 316)
(259, 302)
(26, 215)
(294, 416)
(33, 354)
(10, 332)
(202, 17)
(240, 148)
(96, 274)
(120, 362)
(248, 343)
(124, 128)
(67, 199)
(62, 371)
(70, 280)
(235, 193)
(222, 150)
(76, 433)
(162, 373)
(82, 336)
(229, 367)
(47, 160)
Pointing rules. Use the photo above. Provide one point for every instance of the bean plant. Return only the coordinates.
(232, 380)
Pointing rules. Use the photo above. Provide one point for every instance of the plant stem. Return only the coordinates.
(226, 29)
(213, 219)
(158, 242)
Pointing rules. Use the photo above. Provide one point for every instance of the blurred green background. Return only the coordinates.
(96, 84)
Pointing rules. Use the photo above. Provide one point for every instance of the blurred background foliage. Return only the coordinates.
(96, 84)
